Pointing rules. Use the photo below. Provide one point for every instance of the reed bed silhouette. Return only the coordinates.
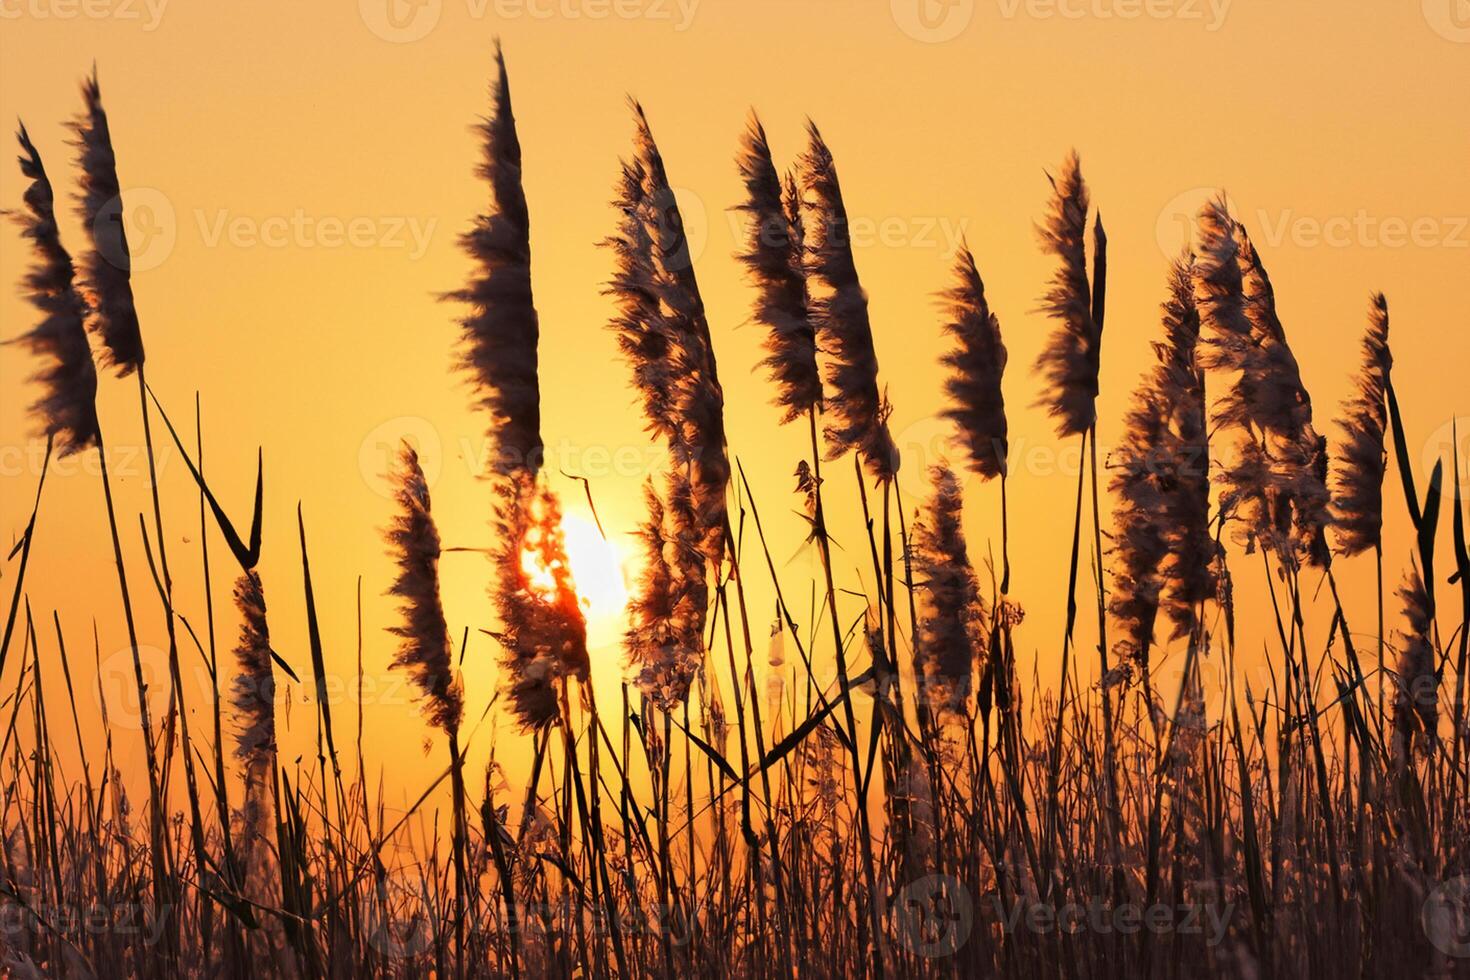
(915, 810)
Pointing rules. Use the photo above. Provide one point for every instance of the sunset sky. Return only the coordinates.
(296, 175)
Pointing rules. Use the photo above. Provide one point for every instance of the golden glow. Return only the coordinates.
(593, 570)
(597, 569)
(316, 276)
(540, 576)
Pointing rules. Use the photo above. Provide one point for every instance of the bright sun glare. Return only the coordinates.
(597, 569)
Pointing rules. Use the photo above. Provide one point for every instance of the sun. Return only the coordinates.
(597, 570)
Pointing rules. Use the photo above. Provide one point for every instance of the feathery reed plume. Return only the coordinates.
(1415, 705)
(839, 312)
(424, 652)
(773, 259)
(1276, 485)
(1069, 362)
(951, 637)
(977, 364)
(700, 401)
(67, 406)
(501, 331)
(641, 332)
(253, 696)
(662, 330)
(1161, 481)
(1190, 568)
(1361, 463)
(1140, 531)
(543, 632)
(664, 615)
(1283, 409)
(107, 266)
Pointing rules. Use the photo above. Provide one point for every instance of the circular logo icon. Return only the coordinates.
(1446, 917)
(933, 916)
(379, 448)
(117, 686)
(682, 226)
(922, 444)
(932, 21)
(1443, 445)
(397, 926)
(400, 21)
(1178, 224)
(1450, 19)
(136, 230)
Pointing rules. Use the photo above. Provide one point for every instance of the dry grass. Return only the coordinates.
(926, 814)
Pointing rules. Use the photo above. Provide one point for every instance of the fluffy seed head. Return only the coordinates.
(107, 266)
(977, 363)
(1361, 461)
(951, 638)
(773, 261)
(501, 331)
(66, 409)
(1069, 361)
(839, 311)
(424, 651)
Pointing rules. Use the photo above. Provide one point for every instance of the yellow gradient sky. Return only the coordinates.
(296, 175)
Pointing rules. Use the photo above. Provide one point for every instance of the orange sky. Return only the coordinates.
(296, 175)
